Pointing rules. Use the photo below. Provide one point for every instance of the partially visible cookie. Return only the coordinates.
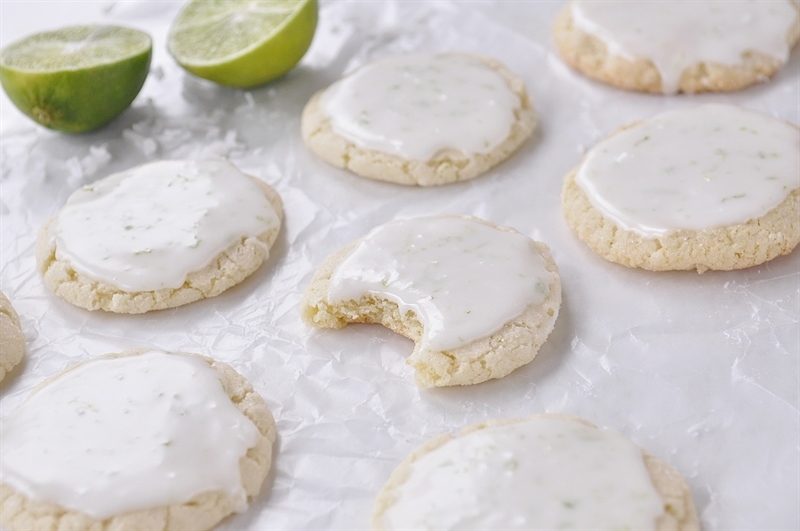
(478, 299)
(710, 187)
(420, 119)
(137, 440)
(669, 47)
(544, 472)
(12, 342)
(159, 236)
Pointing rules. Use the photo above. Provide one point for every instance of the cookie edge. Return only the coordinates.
(490, 357)
(84, 292)
(446, 167)
(589, 55)
(12, 345)
(183, 516)
(724, 248)
(679, 510)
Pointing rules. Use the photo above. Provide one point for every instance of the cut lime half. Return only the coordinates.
(76, 79)
(242, 43)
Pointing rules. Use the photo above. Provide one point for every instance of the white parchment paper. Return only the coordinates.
(700, 370)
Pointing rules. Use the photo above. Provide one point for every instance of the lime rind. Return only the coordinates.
(76, 79)
(74, 48)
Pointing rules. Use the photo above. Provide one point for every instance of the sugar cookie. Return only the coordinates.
(420, 119)
(137, 440)
(669, 47)
(476, 298)
(710, 187)
(12, 342)
(158, 236)
(544, 472)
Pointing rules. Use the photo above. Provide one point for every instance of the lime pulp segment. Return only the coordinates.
(74, 48)
(216, 31)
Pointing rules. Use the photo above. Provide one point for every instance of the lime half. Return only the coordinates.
(78, 78)
(242, 43)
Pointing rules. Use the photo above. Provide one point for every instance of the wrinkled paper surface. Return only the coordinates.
(700, 370)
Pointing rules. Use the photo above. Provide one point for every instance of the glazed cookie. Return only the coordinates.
(158, 236)
(669, 47)
(420, 119)
(578, 475)
(476, 298)
(710, 187)
(137, 440)
(12, 342)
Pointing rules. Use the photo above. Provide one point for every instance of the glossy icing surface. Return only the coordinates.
(125, 434)
(695, 168)
(676, 34)
(416, 105)
(544, 473)
(148, 227)
(462, 278)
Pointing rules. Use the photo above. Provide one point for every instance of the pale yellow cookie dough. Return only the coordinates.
(231, 267)
(724, 247)
(12, 342)
(18, 513)
(495, 356)
(679, 510)
(589, 55)
(447, 166)
(719, 248)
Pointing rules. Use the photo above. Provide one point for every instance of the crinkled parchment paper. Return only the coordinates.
(701, 370)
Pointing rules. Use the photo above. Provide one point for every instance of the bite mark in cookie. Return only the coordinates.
(478, 299)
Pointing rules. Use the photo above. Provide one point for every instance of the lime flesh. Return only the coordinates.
(242, 43)
(76, 79)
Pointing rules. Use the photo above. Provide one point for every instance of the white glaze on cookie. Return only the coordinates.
(147, 228)
(416, 105)
(462, 278)
(677, 34)
(542, 473)
(709, 166)
(124, 434)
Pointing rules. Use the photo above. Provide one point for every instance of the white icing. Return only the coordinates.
(694, 169)
(462, 278)
(148, 227)
(545, 473)
(676, 34)
(416, 105)
(126, 434)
